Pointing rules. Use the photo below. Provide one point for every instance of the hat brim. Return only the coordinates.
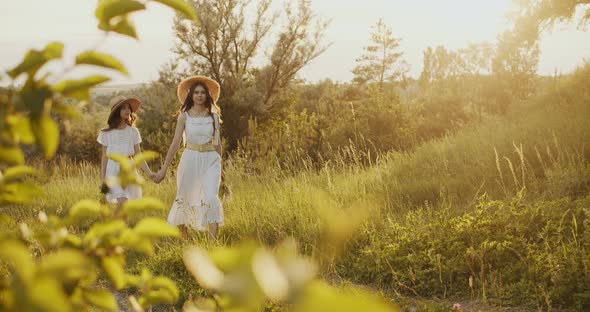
(133, 103)
(185, 85)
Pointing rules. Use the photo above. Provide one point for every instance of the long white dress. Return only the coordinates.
(119, 141)
(198, 176)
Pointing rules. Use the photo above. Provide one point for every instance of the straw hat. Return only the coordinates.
(120, 100)
(185, 85)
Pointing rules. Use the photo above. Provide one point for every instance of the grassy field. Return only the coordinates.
(498, 213)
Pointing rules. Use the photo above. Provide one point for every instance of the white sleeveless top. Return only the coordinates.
(199, 130)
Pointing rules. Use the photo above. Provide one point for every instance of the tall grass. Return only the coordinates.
(486, 213)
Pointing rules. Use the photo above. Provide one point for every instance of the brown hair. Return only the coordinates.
(114, 119)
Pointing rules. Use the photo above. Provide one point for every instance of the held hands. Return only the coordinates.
(158, 176)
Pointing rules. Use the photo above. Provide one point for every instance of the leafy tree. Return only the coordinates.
(224, 44)
(533, 16)
(382, 61)
(514, 68)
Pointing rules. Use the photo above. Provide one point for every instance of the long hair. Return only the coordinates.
(209, 102)
(115, 118)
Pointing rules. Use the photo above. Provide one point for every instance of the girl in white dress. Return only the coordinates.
(199, 171)
(122, 138)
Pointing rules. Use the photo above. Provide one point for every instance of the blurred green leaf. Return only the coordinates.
(110, 228)
(124, 161)
(17, 256)
(321, 297)
(136, 206)
(17, 173)
(37, 100)
(46, 294)
(85, 209)
(19, 193)
(47, 134)
(202, 268)
(21, 128)
(125, 27)
(65, 110)
(160, 290)
(35, 59)
(79, 89)
(100, 298)
(113, 266)
(72, 240)
(180, 6)
(11, 155)
(66, 265)
(137, 242)
(100, 59)
(154, 228)
(145, 156)
(228, 259)
(108, 9)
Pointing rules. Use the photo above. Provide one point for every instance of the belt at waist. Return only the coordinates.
(200, 147)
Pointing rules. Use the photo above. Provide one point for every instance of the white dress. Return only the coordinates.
(119, 141)
(197, 203)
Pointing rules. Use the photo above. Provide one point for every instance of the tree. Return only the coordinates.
(440, 65)
(382, 61)
(533, 16)
(515, 68)
(224, 44)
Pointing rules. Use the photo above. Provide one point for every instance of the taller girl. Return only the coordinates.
(199, 171)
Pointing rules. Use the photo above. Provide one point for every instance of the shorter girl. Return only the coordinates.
(120, 137)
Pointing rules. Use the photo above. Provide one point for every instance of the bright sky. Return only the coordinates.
(30, 24)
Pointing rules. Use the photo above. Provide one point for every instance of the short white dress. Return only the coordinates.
(119, 141)
(198, 176)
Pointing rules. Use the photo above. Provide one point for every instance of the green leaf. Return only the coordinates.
(125, 27)
(156, 297)
(11, 155)
(18, 258)
(124, 161)
(100, 298)
(145, 156)
(46, 294)
(17, 173)
(136, 206)
(19, 193)
(321, 297)
(202, 268)
(35, 59)
(108, 9)
(72, 240)
(65, 110)
(137, 242)
(100, 59)
(79, 89)
(21, 125)
(113, 266)
(67, 265)
(154, 227)
(164, 283)
(159, 290)
(85, 209)
(37, 100)
(180, 6)
(106, 229)
(47, 134)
